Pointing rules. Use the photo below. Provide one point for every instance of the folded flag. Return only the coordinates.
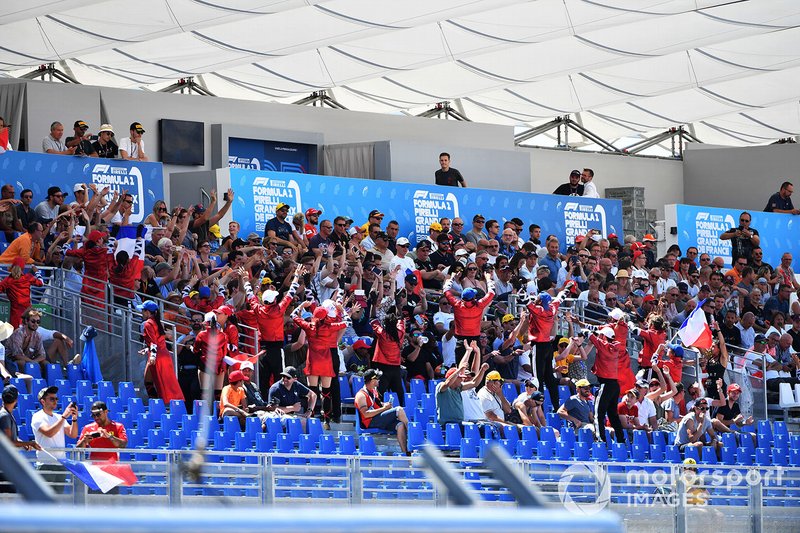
(126, 240)
(102, 476)
(90, 362)
(695, 331)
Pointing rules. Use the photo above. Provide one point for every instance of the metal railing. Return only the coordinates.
(649, 496)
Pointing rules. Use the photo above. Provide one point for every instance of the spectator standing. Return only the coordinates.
(7, 129)
(159, 369)
(744, 239)
(542, 314)
(81, 141)
(606, 364)
(589, 188)
(446, 175)
(8, 424)
(104, 146)
(388, 352)
(50, 430)
(95, 268)
(132, 147)
(47, 210)
(572, 188)
(52, 144)
(781, 201)
(17, 286)
(103, 433)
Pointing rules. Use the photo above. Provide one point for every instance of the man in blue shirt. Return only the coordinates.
(781, 201)
(278, 228)
(552, 259)
(291, 395)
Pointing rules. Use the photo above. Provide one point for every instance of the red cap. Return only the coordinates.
(312, 211)
(450, 372)
(320, 313)
(360, 343)
(734, 387)
(649, 237)
(612, 235)
(235, 376)
(579, 238)
(648, 298)
(96, 235)
(637, 254)
(19, 262)
(636, 246)
(225, 309)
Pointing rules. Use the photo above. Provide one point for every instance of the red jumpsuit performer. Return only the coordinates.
(543, 313)
(625, 375)
(321, 333)
(18, 288)
(95, 268)
(652, 338)
(159, 371)
(124, 267)
(606, 364)
(213, 344)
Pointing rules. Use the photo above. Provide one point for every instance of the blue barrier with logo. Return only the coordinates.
(256, 154)
(38, 172)
(415, 206)
(701, 226)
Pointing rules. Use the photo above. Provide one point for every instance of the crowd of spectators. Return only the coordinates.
(474, 307)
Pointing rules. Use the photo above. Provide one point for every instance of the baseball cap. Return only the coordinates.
(199, 209)
(649, 237)
(494, 375)
(677, 350)
(411, 279)
(734, 387)
(563, 340)
(648, 298)
(575, 172)
(149, 305)
(760, 338)
(761, 280)
(612, 235)
(375, 213)
(507, 318)
(281, 205)
(225, 310)
(402, 241)
(47, 390)
(372, 374)
(269, 296)
(56, 190)
(78, 187)
(537, 396)
(450, 372)
(138, 127)
(362, 343)
(204, 292)
(608, 332)
(469, 294)
(583, 383)
(638, 293)
(478, 217)
(312, 211)
(80, 124)
(246, 364)
(98, 406)
(435, 226)
(616, 314)
(289, 372)
(96, 235)
(235, 376)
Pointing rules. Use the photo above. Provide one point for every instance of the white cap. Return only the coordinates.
(597, 237)
(461, 252)
(402, 241)
(269, 296)
(640, 274)
(330, 306)
(616, 313)
(246, 364)
(78, 187)
(607, 331)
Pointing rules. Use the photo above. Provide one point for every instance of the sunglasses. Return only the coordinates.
(96, 414)
(701, 407)
(34, 321)
(472, 269)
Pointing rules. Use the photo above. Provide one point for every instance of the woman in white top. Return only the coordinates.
(133, 147)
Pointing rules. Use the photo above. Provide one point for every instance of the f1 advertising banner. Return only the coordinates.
(277, 156)
(38, 172)
(701, 226)
(415, 206)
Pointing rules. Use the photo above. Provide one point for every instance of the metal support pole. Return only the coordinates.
(681, 522)
(756, 505)
(356, 482)
(457, 492)
(175, 480)
(504, 469)
(267, 481)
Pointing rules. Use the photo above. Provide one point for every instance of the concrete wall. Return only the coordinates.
(742, 178)
(662, 178)
(483, 168)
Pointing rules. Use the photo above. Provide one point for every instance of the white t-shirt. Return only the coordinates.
(646, 409)
(39, 419)
(131, 149)
(449, 351)
(490, 403)
(524, 359)
(473, 410)
(406, 263)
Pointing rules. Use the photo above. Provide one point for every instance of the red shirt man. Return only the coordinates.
(102, 433)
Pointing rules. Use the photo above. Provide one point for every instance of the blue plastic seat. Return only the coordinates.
(264, 443)
(144, 422)
(135, 438)
(125, 390)
(229, 424)
(510, 392)
(619, 452)
(744, 457)
(294, 428)
(547, 433)
(471, 431)
(314, 428)
(64, 386)
(54, 372)
(26, 402)
(177, 439)
(657, 453)
(345, 392)
(639, 454)
(544, 450)
(156, 438)
(599, 451)
(366, 445)
(357, 383)
(563, 394)
(391, 396)
(307, 444)
(190, 422)
(327, 445)
(691, 452)
(169, 422)
(429, 406)
(433, 434)
(524, 449)
(563, 451)
(416, 435)
(135, 406)
(37, 385)
(452, 436)
(284, 444)
(729, 455)
(672, 454)
(763, 457)
(468, 448)
(74, 374)
(418, 390)
(155, 406)
(568, 436)
(583, 451)
(709, 456)
(105, 390)
(177, 408)
(347, 445)
(116, 406)
(33, 370)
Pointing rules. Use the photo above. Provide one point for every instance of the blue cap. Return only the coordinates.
(305, 315)
(545, 298)
(149, 305)
(677, 349)
(639, 293)
(469, 294)
(205, 292)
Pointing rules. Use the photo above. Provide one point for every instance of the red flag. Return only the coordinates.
(4, 138)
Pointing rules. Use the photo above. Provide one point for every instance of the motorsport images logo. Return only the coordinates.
(571, 491)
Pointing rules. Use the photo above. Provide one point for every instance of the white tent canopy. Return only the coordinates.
(729, 70)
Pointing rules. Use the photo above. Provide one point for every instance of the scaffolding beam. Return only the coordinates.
(566, 124)
(443, 110)
(187, 86)
(320, 99)
(49, 72)
(675, 135)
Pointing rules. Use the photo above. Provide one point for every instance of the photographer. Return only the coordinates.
(743, 238)
(102, 433)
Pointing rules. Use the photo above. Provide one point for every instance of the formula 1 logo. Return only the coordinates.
(244, 162)
(119, 178)
(580, 218)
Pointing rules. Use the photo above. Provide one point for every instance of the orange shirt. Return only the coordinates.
(22, 247)
(231, 396)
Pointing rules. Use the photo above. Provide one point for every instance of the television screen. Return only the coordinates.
(182, 142)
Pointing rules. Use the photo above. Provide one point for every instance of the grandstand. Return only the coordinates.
(283, 254)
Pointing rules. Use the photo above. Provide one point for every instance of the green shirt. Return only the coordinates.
(449, 405)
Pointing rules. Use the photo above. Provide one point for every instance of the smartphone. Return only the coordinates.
(377, 271)
(225, 197)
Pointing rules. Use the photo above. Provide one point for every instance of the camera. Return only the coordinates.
(93, 435)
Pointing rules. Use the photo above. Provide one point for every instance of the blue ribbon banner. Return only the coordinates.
(38, 172)
(415, 206)
(701, 226)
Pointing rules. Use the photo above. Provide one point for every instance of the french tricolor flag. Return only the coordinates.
(695, 331)
(126, 240)
(102, 476)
